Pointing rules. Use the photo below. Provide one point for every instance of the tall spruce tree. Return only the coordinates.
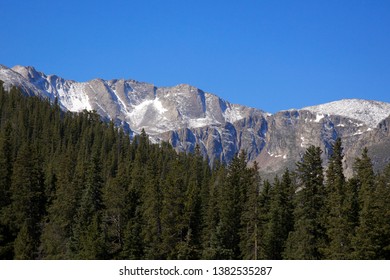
(117, 203)
(151, 208)
(89, 214)
(264, 209)
(338, 206)
(250, 231)
(6, 163)
(381, 216)
(280, 219)
(307, 238)
(28, 202)
(365, 241)
(172, 215)
(212, 243)
(60, 218)
(233, 198)
(189, 248)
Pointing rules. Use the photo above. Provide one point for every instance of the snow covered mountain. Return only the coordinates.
(367, 112)
(141, 105)
(186, 116)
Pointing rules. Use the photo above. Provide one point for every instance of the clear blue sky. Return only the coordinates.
(268, 54)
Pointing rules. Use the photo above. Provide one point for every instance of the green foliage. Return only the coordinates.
(371, 240)
(280, 218)
(250, 218)
(306, 240)
(339, 206)
(75, 187)
(232, 200)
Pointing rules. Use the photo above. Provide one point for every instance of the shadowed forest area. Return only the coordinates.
(75, 187)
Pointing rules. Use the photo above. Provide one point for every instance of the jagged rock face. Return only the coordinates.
(186, 116)
(290, 133)
(221, 142)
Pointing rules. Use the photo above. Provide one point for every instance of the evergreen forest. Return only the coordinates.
(75, 187)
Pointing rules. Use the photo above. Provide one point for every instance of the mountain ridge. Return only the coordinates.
(187, 116)
(32, 73)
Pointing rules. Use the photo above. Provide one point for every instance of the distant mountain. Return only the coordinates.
(370, 113)
(186, 116)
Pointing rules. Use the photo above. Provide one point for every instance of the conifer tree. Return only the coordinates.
(264, 208)
(338, 224)
(116, 201)
(25, 247)
(92, 241)
(60, 219)
(140, 146)
(28, 202)
(5, 165)
(89, 213)
(1, 87)
(133, 247)
(212, 243)
(151, 207)
(280, 219)
(249, 235)
(190, 246)
(381, 216)
(5, 193)
(365, 241)
(231, 205)
(307, 238)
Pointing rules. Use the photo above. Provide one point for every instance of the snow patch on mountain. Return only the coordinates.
(233, 113)
(366, 111)
(75, 99)
(70, 94)
(319, 117)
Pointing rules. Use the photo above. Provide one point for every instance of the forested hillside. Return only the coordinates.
(75, 187)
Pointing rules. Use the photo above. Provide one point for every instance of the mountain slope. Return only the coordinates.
(368, 112)
(186, 116)
(135, 102)
(162, 111)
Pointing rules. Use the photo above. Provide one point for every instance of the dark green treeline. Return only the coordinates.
(74, 187)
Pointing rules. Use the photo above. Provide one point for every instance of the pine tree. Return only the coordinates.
(133, 247)
(264, 208)
(364, 171)
(89, 213)
(212, 243)
(5, 193)
(231, 205)
(60, 219)
(307, 238)
(172, 214)
(249, 235)
(338, 225)
(25, 247)
(115, 199)
(365, 241)
(28, 202)
(139, 152)
(190, 246)
(5, 165)
(281, 218)
(92, 241)
(151, 207)
(381, 216)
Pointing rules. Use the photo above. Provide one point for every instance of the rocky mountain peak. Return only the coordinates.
(187, 116)
(28, 72)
